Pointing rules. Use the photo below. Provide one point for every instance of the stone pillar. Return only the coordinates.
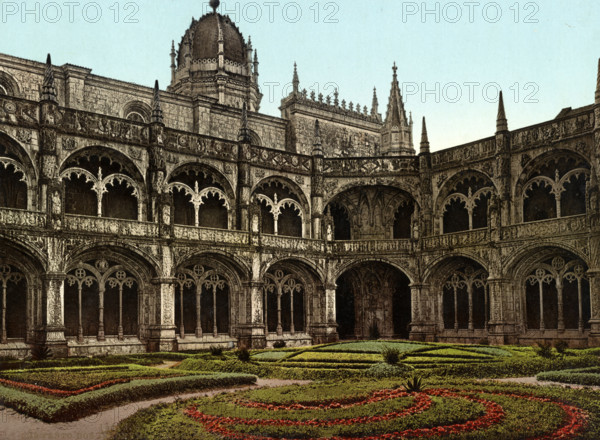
(244, 185)
(422, 326)
(252, 334)
(502, 326)
(162, 333)
(326, 331)
(594, 281)
(52, 332)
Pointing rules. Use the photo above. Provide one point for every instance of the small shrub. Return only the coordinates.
(391, 355)
(544, 350)
(374, 331)
(414, 385)
(279, 344)
(40, 353)
(561, 346)
(243, 355)
(215, 350)
(484, 341)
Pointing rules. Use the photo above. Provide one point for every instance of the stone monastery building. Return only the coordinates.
(134, 219)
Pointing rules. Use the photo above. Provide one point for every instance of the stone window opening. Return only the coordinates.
(101, 299)
(556, 188)
(465, 300)
(281, 211)
(13, 184)
(284, 309)
(557, 296)
(373, 213)
(13, 303)
(202, 302)
(101, 187)
(466, 208)
(200, 201)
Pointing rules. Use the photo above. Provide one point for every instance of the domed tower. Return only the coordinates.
(215, 61)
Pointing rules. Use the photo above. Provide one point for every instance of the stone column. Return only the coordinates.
(162, 334)
(252, 333)
(594, 281)
(502, 325)
(422, 326)
(52, 333)
(326, 331)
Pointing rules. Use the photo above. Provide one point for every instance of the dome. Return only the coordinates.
(204, 37)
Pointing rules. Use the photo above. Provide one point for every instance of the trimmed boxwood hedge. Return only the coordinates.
(72, 408)
(512, 367)
(581, 376)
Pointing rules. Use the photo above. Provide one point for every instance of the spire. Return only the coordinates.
(255, 66)
(157, 113)
(375, 104)
(317, 143)
(221, 41)
(48, 87)
(244, 134)
(173, 66)
(598, 84)
(424, 139)
(214, 4)
(501, 122)
(397, 130)
(296, 80)
(396, 115)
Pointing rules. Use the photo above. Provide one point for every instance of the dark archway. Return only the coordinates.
(380, 297)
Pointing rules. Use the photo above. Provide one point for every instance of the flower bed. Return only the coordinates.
(64, 382)
(574, 419)
(51, 407)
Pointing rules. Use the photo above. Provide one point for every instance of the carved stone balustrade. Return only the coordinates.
(126, 228)
(292, 244)
(458, 239)
(17, 217)
(217, 236)
(372, 246)
(546, 228)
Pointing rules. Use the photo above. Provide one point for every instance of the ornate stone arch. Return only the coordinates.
(346, 266)
(293, 199)
(19, 264)
(459, 283)
(537, 175)
(551, 284)
(209, 194)
(110, 270)
(205, 276)
(377, 211)
(468, 187)
(15, 158)
(207, 170)
(293, 297)
(104, 172)
(137, 111)
(9, 86)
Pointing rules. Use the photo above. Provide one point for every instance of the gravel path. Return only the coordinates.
(15, 426)
(534, 381)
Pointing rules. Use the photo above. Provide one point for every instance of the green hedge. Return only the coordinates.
(581, 376)
(75, 407)
(513, 367)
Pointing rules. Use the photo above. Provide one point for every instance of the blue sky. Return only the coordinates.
(543, 55)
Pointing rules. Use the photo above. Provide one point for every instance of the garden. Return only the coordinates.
(353, 390)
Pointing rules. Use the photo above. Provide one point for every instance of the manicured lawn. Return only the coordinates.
(374, 409)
